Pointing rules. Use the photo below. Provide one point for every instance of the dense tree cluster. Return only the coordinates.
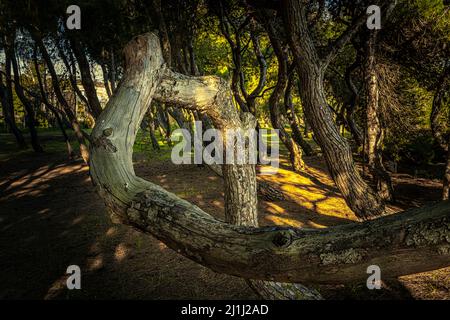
(311, 69)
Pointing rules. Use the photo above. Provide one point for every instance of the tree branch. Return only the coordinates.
(414, 241)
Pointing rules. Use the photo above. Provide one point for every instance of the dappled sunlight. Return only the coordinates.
(56, 288)
(33, 183)
(274, 208)
(120, 252)
(312, 224)
(77, 220)
(95, 263)
(312, 190)
(283, 221)
(111, 232)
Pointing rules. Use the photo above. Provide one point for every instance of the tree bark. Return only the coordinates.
(293, 121)
(52, 108)
(9, 116)
(84, 151)
(105, 79)
(30, 118)
(310, 69)
(374, 132)
(148, 123)
(295, 153)
(414, 241)
(86, 79)
(72, 75)
(446, 180)
(350, 108)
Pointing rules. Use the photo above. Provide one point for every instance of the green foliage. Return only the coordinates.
(415, 148)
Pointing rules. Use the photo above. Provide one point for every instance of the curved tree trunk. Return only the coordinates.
(72, 72)
(295, 153)
(52, 108)
(310, 69)
(350, 109)
(30, 118)
(60, 97)
(8, 114)
(414, 241)
(293, 121)
(86, 79)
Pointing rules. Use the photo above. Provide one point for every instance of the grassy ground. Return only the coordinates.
(50, 218)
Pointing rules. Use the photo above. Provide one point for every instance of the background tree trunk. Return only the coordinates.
(446, 183)
(374, 132)
(293, 120)
(357, 194)
(295, 153)
(30, 118)
(86, 79)
(52, 108)
(60, 97)
(9, 116)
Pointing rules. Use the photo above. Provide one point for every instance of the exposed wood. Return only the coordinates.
(413, 241)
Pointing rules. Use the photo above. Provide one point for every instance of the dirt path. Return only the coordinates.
(51, 218)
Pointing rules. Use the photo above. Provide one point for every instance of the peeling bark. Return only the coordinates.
(414, 241)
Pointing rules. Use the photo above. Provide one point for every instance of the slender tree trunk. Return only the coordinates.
(151, 129)
(357, 194)
(60, 97)
(374, 131)
(86, 79)
(442, 87)
(293, 121)
(71, 70)
(9, 117)
(295, 153)
(30, 118)
(106, 80)
(112, 71)
(350, 109)
(52, 108)
(446, 183)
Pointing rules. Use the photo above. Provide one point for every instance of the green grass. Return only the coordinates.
(53, 143)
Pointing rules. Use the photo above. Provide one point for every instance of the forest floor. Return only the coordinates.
(50, 218)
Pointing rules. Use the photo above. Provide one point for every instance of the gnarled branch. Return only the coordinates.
(414, 241)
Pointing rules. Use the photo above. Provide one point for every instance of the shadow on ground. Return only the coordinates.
(51, 218)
